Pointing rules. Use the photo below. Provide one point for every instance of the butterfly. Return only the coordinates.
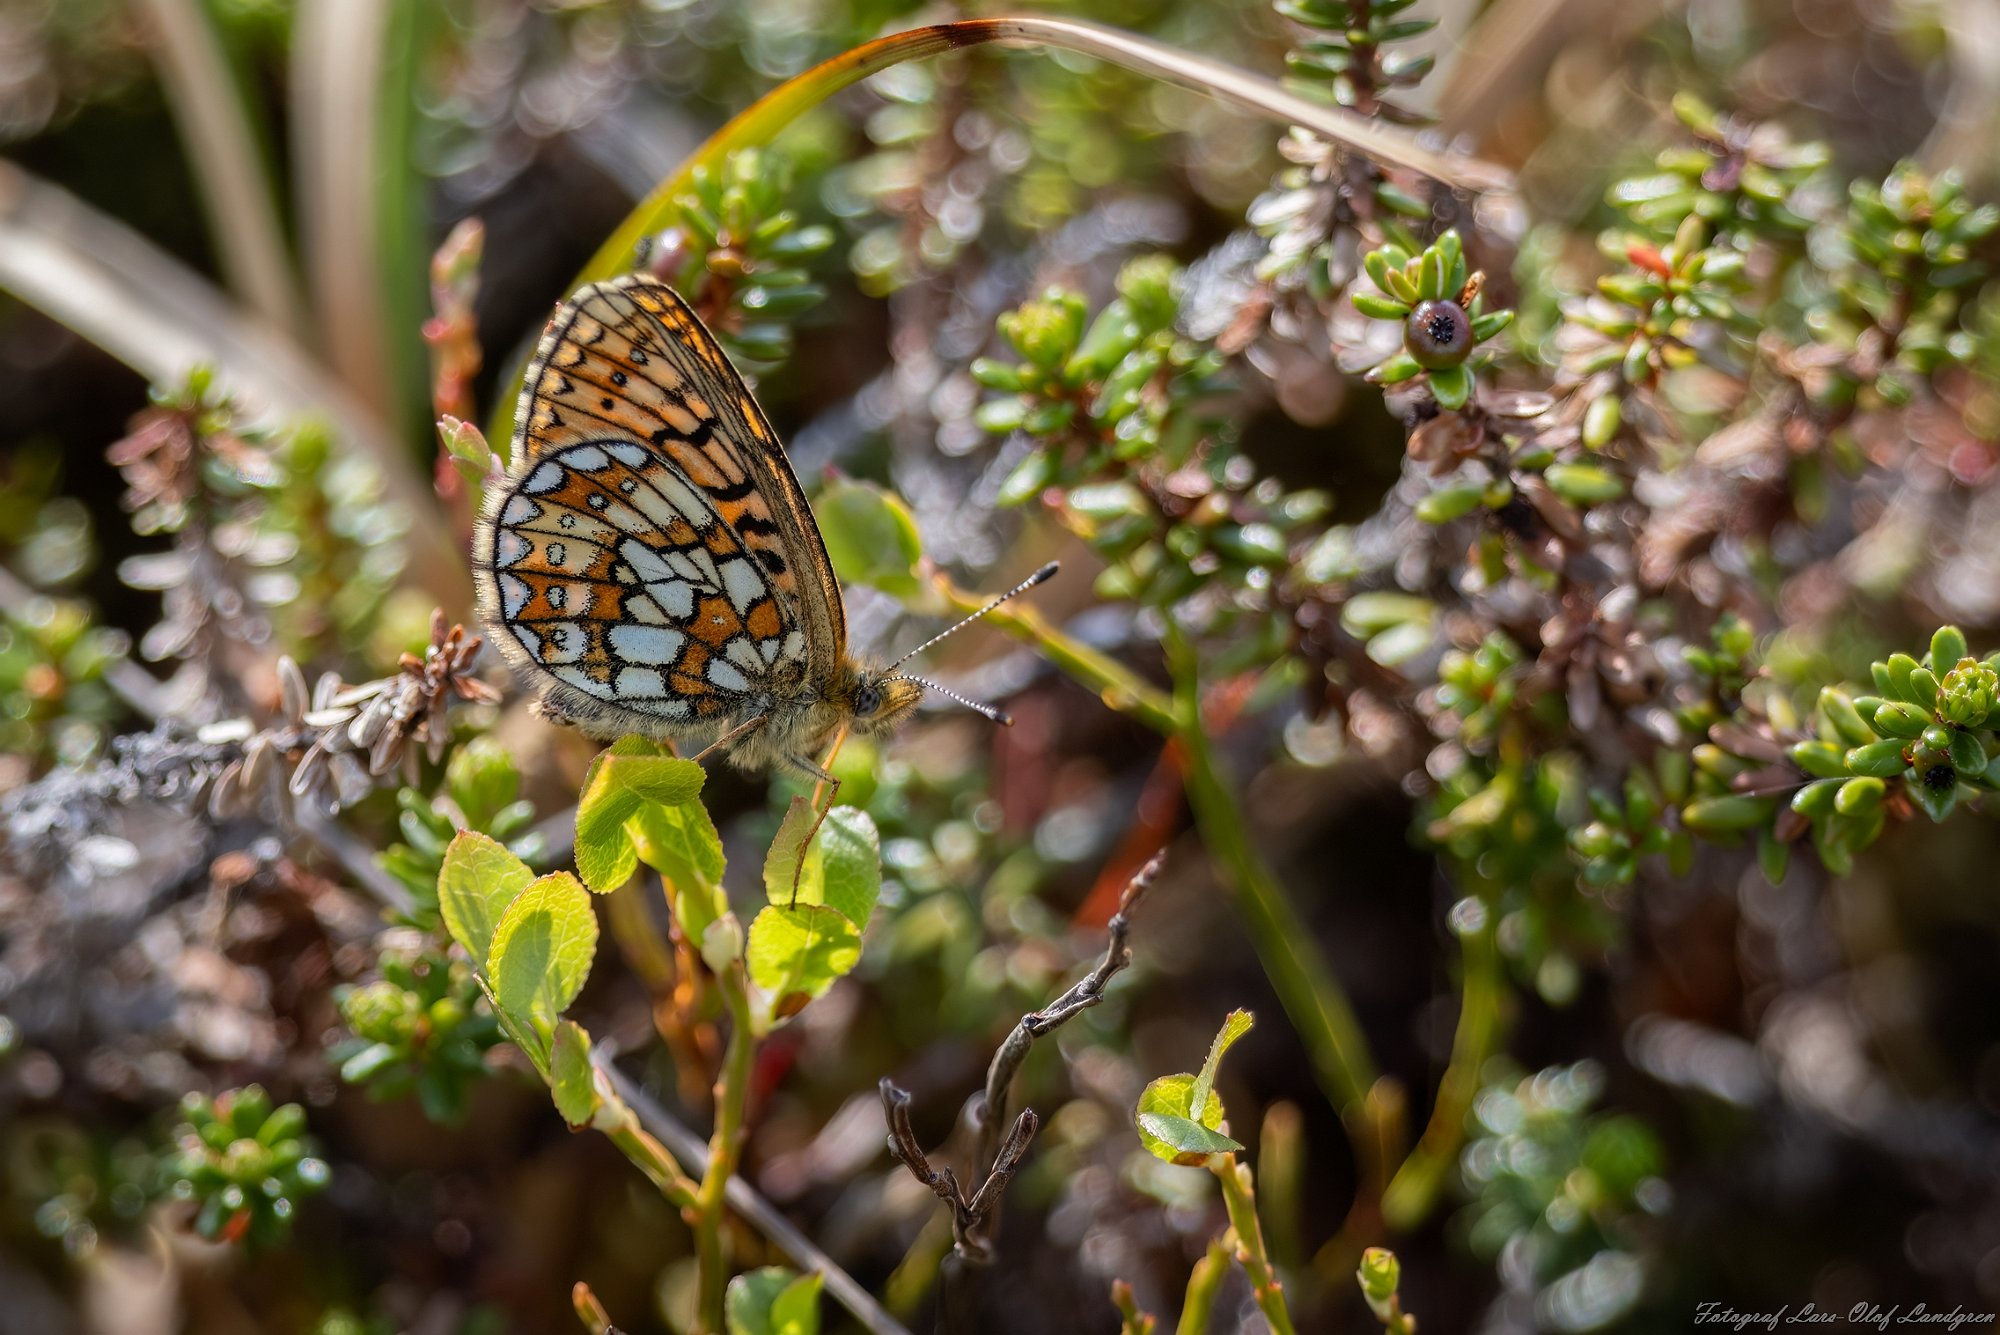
(650, 564)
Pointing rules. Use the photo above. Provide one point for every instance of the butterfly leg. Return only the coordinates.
(730, 738)
(820, 775)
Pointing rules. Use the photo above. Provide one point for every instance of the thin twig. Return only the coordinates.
(1087, 992)
(968, 1215)
(692, 1152)
(973, 1218)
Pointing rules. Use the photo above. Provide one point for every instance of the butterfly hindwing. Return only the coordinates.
(629, 359)
(614, 574)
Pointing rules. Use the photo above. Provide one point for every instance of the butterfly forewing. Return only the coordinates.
(628, 359)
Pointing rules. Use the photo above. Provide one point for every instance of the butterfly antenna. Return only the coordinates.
(1019, 589)
(1000, 716)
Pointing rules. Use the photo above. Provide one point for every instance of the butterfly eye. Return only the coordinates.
(867, 699)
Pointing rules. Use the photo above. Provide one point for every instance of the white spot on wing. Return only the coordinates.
(667, 498)
(744, 654)
(646, 644)
(583, 681)
(743, 583)
(509, 547)
(519, 510)
(723, 675)
(641, 681)
(587, 457)
(627, 453)
(546, 478)
(645, 562)
(675, 596)
(514, 594)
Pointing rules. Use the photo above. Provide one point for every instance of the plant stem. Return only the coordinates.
(1240, 1197)
(1204, 1282)
(651, 1158)
(732, 1094)
(1306, 985)
(1414, 1188)
(687, 1148)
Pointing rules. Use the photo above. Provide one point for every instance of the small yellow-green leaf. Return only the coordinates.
(1171, 1097)
(480, 878)
(1192, 1142)
(571, 1079)
(870, 535)
(796, 953)
(542, 951)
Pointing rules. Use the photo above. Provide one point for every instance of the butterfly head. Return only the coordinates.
(883, 700)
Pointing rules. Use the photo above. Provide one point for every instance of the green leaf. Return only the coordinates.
(1191, 1141)
(795, 954)
(1719, 815)
(1947, 647)
(1234, 1026)
(1452, 387)
(783, 876)
(623, 780)
(680, 843)
(850, 851)
(571, 1079)
(1822, 760)
(1881, 759)
(1449, 503)
(542, 951)
(773, 1301)
(1379, 308)
(1028, 480)
(1584, 484)
(480, 878)
(870, 536)
(1170, 1097)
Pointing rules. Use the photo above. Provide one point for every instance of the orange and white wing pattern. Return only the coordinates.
(614, 574)
(628, 359)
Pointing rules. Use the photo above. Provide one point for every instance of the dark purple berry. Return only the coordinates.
(1438, 335)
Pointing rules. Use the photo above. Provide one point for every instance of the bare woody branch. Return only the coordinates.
(972, 1218)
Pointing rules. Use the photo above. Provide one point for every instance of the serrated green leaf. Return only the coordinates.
(870, 536)
(542, 951)
(571, 1080)
(796, 953)
(480, 878)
